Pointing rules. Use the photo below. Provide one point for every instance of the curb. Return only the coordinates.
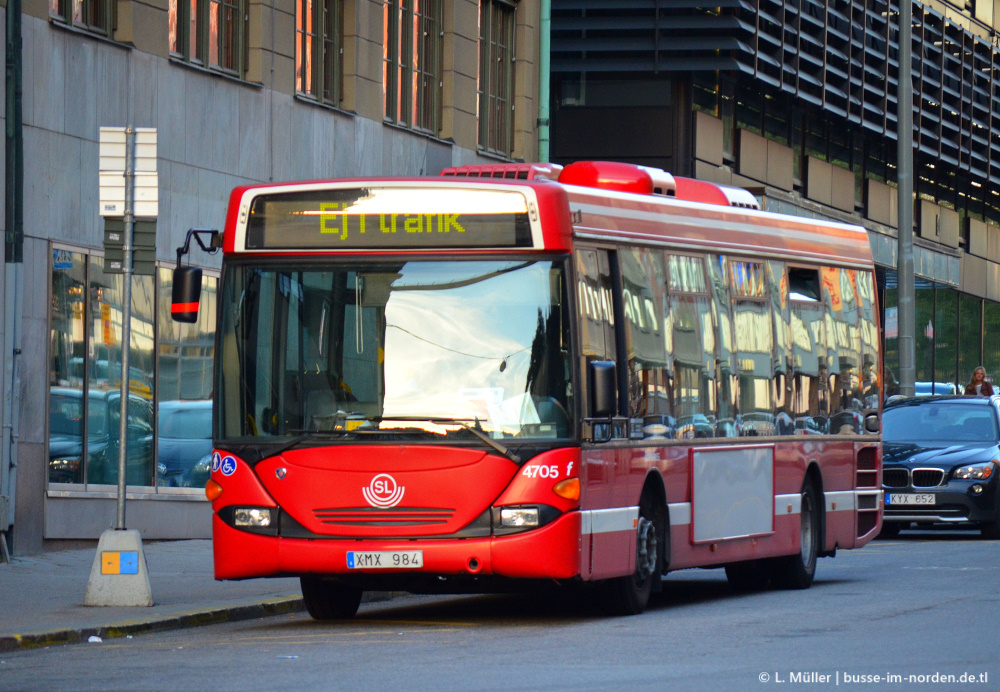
(195, 618)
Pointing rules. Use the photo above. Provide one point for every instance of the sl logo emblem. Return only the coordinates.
(383, 491)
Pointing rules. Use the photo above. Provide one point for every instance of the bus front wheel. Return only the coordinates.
(329, 600)
(629, 595)
(797, 571)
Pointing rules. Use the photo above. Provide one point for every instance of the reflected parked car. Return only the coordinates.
(66, 437)
(939, 463)
(694, 426)
(184, 438)
(935, 389)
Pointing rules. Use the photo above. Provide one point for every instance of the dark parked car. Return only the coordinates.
(185, 438)
(66, 437)
(940, 463)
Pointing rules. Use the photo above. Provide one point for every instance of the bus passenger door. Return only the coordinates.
(603, 456)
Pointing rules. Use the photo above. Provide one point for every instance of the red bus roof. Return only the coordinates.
(618, 202)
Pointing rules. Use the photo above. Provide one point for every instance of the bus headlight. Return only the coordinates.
(252, 517)
(519, 517)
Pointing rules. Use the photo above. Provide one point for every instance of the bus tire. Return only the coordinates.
(329, 600)
(797, 571)
(630, 595)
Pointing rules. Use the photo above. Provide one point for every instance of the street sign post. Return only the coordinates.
(128, 188)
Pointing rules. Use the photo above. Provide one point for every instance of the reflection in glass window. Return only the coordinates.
(85, 374)
(105, 363)
(746, 279)
(333, 348)
(184, 389)
(728, 386)
(778, 282)
(810, 404)
(844, 341)
(947, 379)
(210, 33)
(67, 366)
(870, 384)
(687, 274)
(991, 344)
(752, 328)
(970, 337)
(694, 349)
(923, 337)
(594, 303)
(411, 70)
(644, 308)
(318, 46)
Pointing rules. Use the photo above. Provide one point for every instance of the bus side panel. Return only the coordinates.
(608, 523)
(793, 458)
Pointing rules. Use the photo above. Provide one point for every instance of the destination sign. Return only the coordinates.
(388, 218)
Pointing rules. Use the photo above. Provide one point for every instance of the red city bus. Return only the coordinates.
(522, 375)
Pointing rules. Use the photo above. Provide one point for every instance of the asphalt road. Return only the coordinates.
(921, 607)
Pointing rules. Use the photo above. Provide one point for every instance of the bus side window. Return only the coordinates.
(844, 342)
(649, 369)
(727, 380)
(692, 342)
(753, 331)
(809, 408)
(594, 301)
(778, 280)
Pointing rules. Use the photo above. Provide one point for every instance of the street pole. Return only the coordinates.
(544, 65)
(119, 576)
(126, 319)
(904, 256)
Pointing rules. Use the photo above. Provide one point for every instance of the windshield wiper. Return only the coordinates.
(462, 422)
(299, 439)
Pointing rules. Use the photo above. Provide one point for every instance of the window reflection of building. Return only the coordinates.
(844, 339)
(782, 384)
(85, 369)
(644, 302)
(694, 348)
(594, 301)
(754, 343)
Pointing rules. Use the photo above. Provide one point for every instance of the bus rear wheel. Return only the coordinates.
(326, 599)
(630, 595)
(797, 571)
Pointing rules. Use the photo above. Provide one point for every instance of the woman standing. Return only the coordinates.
(978, 386)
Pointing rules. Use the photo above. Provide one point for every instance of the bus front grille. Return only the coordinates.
(377, 516)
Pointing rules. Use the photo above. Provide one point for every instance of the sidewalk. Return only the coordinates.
(41, 596)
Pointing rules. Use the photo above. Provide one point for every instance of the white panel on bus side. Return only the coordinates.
(732, 492)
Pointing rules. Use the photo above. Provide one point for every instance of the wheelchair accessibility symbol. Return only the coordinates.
(228, 466)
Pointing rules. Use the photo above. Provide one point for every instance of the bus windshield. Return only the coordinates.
(375, 348)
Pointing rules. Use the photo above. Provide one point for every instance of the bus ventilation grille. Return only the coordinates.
(392, 516)
(513, 171)
(869, 463)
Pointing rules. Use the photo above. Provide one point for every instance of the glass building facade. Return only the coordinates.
(955, 333)
(169, 379)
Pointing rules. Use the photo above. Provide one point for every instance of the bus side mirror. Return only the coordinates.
(603, 388)
(186, 293)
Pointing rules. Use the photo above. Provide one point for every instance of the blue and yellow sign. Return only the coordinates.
(120, 562)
